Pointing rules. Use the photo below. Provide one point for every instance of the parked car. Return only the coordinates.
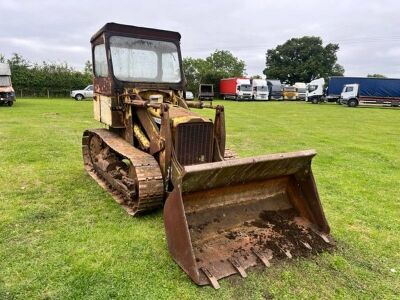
(79, 95)
(189, 95)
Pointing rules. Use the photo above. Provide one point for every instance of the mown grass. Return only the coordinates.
(62, 236)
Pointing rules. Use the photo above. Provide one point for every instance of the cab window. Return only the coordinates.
(312, 88)
(100, 61)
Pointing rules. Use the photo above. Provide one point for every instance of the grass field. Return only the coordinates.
(62, 236)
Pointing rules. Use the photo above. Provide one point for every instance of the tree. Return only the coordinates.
(88, 67)
(219, 64)
(302, 60)
(193, 69)
(59, 78)
(223, 61)
(376, 75)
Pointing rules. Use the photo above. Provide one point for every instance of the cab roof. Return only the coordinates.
(143, 32)
(5, 69)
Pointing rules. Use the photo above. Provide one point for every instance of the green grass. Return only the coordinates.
(62, 236)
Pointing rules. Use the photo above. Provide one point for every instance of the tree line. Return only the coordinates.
(33, 79)
(297, 60)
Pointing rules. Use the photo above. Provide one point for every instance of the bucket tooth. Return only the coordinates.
(238, 267)
(306, 245)
(323, 236)
(263, 258)
(286, 252)
(211, 278)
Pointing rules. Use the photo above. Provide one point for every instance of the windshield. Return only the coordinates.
(5, 81)
(206, 88)
(290, 89)
(140, 60)
(245, 87)
(312, 88)
(262, 88)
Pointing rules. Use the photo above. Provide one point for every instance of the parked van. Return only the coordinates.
(7, 94)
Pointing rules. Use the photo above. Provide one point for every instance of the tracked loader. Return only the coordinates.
(222, 214)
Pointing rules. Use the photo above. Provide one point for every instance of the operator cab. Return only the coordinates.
(145, 57)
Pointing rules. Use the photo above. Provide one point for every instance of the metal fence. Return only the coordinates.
(42, 93)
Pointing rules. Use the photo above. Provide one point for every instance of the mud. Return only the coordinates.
(285, 235)
(273, 231)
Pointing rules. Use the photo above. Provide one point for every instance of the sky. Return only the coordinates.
(368, 32)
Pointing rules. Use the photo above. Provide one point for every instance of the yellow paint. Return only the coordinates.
(139, 134)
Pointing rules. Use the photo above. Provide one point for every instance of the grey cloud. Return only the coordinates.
(368, 32)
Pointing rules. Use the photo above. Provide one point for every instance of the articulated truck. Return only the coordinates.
(353, 91)
(371, 90)
(235, 88)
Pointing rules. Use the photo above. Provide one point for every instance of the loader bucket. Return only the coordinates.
(227, 216)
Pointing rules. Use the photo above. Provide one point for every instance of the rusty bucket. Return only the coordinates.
(227, 216)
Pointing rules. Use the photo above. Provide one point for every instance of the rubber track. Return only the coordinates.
(150, 187)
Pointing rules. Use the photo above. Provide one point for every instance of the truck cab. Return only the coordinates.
(260, 89)
(290, 93)
(301, 90)
(315, 91)
(349, 95)
(274, 89)
(244, 89)
(7, 94)
(206, 92)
